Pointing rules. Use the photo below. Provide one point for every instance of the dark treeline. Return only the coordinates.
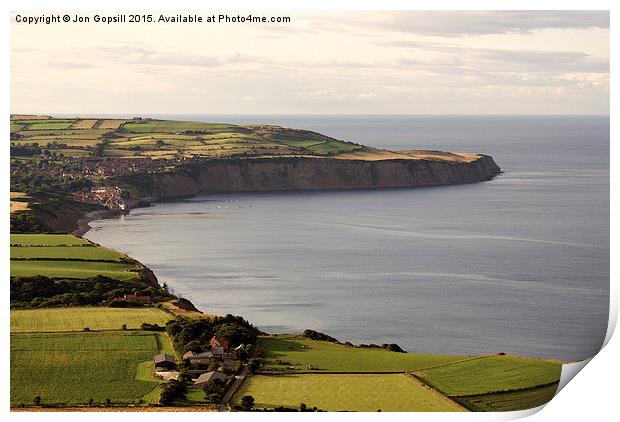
(40, 291)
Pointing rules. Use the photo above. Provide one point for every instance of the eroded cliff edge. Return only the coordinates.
(304, 173)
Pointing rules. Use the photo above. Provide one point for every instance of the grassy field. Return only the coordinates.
(73, 269)
(295, 353)
(512, 400)
(62, 252)
(177, 126)
(491, 374)
(50, 125)
(76, 318)
(352, 392)
(84, 124)
(46, 240)
(77, 367)
(65, 256)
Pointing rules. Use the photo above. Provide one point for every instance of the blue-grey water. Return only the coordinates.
(518, 264)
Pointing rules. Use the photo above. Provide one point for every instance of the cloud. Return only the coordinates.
(462, 23)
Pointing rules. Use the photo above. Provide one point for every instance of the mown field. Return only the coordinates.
(47, 240)
(77, 367)
(512, 400)
(66, 256)
(340, 392)
(72, 269)
(63, 252)
(295, 353)
(77, 318)
(491, 374)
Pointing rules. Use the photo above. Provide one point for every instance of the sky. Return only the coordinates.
(412, 62)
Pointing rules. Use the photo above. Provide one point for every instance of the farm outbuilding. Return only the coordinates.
(209, 376)
(164, 362)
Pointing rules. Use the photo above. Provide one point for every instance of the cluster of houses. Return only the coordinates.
(120, 166)
(203, 367)
(109, 196)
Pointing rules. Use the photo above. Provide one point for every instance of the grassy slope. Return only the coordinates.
(491, 374)
(334, 392)
(298, 352)
(76, 318)
(77, 367)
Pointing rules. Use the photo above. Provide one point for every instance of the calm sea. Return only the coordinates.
(518, 264)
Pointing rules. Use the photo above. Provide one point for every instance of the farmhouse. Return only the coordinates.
(164, 363)
(208, 376)
(223, 342)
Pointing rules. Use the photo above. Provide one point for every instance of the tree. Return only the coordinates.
(172, 390)
(213, 391)
(37, 400)
(247, 402)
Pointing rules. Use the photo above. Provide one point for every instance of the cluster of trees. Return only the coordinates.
(22, 222)
(40, 291)
(25, 150)
(33, 182)
(172, 391)
(214, 391)
(194, 334)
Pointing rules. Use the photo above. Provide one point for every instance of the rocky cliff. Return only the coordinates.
(301, 173)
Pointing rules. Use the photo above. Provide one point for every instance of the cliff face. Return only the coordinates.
(292, 173)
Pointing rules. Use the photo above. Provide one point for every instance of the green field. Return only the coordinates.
(77, 367)
(73, 269)
(512, 400)
(50, 125)
(177, 126)
(47, 240)
(491, 374)
(352, 392)
(295, 353)
(65, 256)
(77, 318)
(93, 253)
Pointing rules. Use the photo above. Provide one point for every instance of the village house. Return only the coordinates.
(164, 363)
(204, 379)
